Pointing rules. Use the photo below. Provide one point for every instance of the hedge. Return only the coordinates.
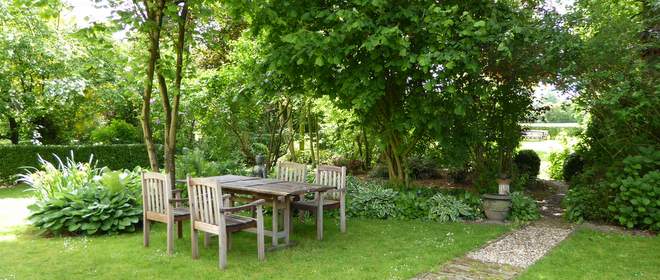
(13, 158)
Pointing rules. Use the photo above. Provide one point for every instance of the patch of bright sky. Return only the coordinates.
(86, 12)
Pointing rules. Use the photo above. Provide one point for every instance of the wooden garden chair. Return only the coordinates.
(333, 176)
(162, 204)
(209, 215)
(291, 172)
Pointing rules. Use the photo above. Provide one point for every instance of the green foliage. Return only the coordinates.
(121, 156)
(557, 160)
(412, 204)
(423, 168)
(369, 199)
(523, 208)
(585, 202)
(573, 165)
(117, 132)
(448, 208)
(637, 202)
(78, 198)
(528, 162)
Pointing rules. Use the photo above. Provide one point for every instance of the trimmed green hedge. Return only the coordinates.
(121, 156)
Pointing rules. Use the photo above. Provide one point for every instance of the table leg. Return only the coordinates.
(287, 220)
(275, 220)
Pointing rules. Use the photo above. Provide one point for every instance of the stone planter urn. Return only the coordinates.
(497, 206)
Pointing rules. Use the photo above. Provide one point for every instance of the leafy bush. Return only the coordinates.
(369, 199)
(448, 208)
(120, 156)
(379, 171)
(586, 202)
(557, 160)
(194, 163)
(523, 208)
(527, 162)
(117, 132)
(637, 200)
(412, 205)
(573, 165)
(423, 168)
(78, 198)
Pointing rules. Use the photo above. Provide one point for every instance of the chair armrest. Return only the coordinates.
(243, 207)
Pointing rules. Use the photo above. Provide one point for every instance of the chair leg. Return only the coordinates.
(170, 237)
(180, 229)
(145, 232)
(261, 250)
(228, 241)
(319, 219)
(342, 218)
(222, 248)
(194, 243)
(207, 239)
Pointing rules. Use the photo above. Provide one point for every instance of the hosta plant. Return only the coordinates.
(78, 198)
(449, 208)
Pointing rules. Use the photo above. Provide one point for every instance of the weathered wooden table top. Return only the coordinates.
(263, 186)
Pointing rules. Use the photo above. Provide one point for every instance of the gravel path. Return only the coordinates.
(522, 248)
(507, 256)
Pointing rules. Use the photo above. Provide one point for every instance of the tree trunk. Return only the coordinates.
(292, 133)
(302, 121)
(367, 149)
(13, 130)
(156, 17)
(311, 136)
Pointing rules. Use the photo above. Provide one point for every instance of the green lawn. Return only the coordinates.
(593, 255)
(372, 249)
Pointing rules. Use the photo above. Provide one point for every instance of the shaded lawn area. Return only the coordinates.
(588, 254)
(372, 249)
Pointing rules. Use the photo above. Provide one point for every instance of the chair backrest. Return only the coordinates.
(156, 192)
(291, 172)
(333, 176)
(205, 199)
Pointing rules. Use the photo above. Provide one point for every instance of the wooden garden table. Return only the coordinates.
(279, 193)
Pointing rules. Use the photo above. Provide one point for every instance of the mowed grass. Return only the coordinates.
(589, 254)
(372, 249)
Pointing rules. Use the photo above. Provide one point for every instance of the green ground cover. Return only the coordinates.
(372, 249)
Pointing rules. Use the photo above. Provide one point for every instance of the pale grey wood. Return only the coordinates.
(210, 216)
(260, 233)
(287, 220)
(207, 240)
(319, 218)
(291, 171)
(275, 224)
(334, 177)
(158, 206)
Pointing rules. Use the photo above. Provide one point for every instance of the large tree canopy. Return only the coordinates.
(414, 70)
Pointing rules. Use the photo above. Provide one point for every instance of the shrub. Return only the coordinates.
(79, 198)
(121, 156)
(423, 168)
(412, 204)
(448, 208)
(573, 165)
(637, 200)
(557, 160)
(528, 162)
(369, 199)
(523, 208)
(117, 132)
(379, 171)
(194, 163)
(586, 202)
